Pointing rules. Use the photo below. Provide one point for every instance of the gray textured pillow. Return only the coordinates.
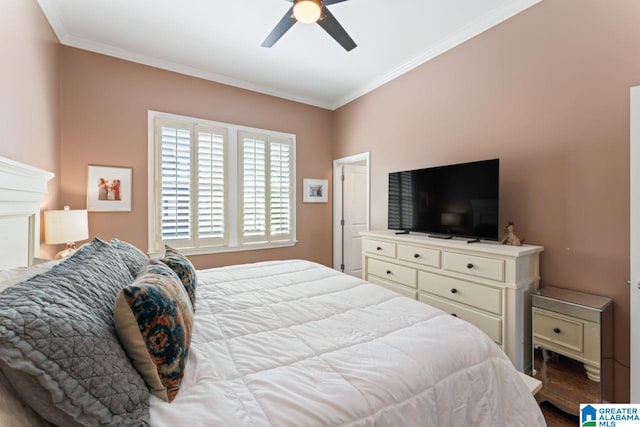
(133, 257)
(59, 328)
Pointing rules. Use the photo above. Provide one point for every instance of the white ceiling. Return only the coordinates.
(220, 40)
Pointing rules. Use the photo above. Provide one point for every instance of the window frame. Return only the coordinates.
(233, 192)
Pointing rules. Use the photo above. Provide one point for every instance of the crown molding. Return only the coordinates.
(51, 12)
(127, 55)
(468, 32)
(480, 25)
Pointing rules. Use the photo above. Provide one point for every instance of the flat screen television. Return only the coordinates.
(445, 201)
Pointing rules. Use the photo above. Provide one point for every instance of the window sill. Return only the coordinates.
(225, 249)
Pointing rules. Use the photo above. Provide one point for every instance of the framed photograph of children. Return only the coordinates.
(315, 190)
(109, 189)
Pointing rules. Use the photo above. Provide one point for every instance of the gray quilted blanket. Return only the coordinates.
(58, 327)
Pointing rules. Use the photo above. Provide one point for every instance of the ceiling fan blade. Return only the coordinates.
(282, 27)
(331, 25)
(330, 2)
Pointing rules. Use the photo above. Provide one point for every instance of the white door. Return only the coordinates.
(635, 244)
(350, 211)
(354, 214)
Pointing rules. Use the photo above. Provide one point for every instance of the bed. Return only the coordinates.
(296, 343)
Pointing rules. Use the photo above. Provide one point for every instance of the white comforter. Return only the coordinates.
(297, 344)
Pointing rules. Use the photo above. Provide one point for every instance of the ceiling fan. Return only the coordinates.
(309, 12)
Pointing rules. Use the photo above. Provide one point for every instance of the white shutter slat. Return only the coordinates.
(280, 191)
(175, 183)
(253, 186)
(211, 183)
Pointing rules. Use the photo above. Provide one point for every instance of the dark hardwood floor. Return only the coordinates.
(557, 418)
(565, 386)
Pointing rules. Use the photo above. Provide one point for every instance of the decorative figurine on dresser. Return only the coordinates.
(510, 237)
(572, 347)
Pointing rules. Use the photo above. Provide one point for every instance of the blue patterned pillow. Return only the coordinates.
(184, 269)
(133, 257)
(154, 320)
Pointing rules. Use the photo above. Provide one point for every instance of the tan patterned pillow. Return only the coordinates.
(154, 320)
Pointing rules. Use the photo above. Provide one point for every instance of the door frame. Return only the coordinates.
(634, 371)
(337, 201)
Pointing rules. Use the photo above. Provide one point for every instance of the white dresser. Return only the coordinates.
(487, 284)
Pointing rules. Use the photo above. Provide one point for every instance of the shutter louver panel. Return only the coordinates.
(175, 187)
(280, 189)
(211, 183)
(254, 209)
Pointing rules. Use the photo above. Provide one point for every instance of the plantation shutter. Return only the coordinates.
(216, 187)
(280, 189)
(175, 183)
(211, 186)
(253, 212)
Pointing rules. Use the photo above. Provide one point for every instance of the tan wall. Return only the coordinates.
(104, 122)
(548, 93)
(30, 93)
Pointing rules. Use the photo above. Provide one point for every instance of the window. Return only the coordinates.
(266, 188)
(217, 187)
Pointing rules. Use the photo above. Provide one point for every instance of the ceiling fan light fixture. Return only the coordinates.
(307, 11)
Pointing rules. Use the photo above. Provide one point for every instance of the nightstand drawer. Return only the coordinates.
(424, 256)
(473, 294)
(396, 273)
(560, 330)
(489, 268)
(402, 290)
(379, 247)
(490, 325)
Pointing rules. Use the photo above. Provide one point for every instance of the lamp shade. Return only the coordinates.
(65, 226)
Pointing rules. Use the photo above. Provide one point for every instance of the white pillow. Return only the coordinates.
(13, 412)
(16, 275)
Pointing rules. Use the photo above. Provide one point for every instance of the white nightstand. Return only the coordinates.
(573, 347)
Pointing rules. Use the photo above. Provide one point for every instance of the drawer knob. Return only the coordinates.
(416, 255)
(454, 291)
(556, 330)
(378, 248)
(469, 265)
(388, 271)
(454, 315)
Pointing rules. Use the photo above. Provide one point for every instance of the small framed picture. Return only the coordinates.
(315, 190)
(109, 189)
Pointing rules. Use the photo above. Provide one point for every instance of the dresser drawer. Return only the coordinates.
(478, 296)
(402, 290)
(489, 268)
(563, 331)
(380, 248)
(490, 325)
(395, 273)
(424, 256)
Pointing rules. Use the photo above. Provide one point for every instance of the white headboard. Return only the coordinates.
(22, 190)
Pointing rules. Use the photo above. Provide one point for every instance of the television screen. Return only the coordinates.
(454, 200)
